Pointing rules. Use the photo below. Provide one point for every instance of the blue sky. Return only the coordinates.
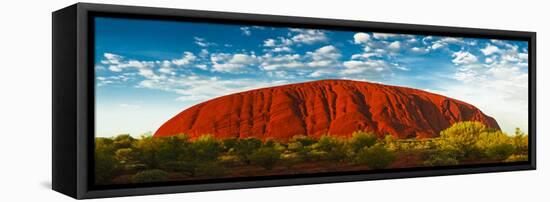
(147, 71)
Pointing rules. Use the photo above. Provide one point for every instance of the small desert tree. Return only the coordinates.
(441, 158)
(520, 142)
(206, 148)
(376, 157)
(146, 149)
(332, 148)
(245, 147)
(461, 139)
(361, 139)
(495, 145)
(104, 160)
(229, 144)
(266, 157)
(123, 141)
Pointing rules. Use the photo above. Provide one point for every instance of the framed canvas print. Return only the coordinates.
(154, 100)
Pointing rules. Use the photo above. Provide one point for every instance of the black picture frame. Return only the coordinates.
(73, 99)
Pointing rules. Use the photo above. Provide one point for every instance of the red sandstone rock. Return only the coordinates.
(334, 107)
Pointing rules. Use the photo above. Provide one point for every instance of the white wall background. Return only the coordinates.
(25, 101)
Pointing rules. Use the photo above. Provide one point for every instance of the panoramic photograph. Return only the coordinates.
(187, 101)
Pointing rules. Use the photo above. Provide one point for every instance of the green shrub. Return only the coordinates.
(275, 145)
(300, 150)
(520, 141)
(245, 147)
(104, 159)
(123, 141)
(229, 160)
(461, 139)
(154, 175)
(135, 167)
(290, 159)
(361, 139)
(266, 157)
(499, 151)
(146, 151)
(211, 169)
(333, 147)
(303, 140)
(206, 148)
(376, 157)
(173, 148)
(104, 166)
(441, 158)
(124, 155)
(229, 144)
(295, 146)
(391, 143)
(315, 155)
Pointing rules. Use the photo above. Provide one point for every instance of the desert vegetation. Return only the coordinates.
(125, 159)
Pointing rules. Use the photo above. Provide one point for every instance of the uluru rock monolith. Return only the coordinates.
(324, 107)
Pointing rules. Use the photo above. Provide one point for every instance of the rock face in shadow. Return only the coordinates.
(334, 107)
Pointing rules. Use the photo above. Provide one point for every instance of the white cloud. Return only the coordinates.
(395, 45)
(490, 49)
(280, 74)
(269, 43)
(280, 44)
(117, 63)
(400, 67)
(364, 55)
(451, 40)
(202, 66)
(498, 85)
(281, 49)
(202, 42)
(434, 43)
(246, 31)
(285, 61)
(115, 79)
(437, 45)
(357, 67)
(111, 59)
(99, 68)
(243, 59)
(204, 53)
(308, 36)
(186, 59)
(489, 60)
(192, 89)
(361, 37)
(419, 50)
(232, 63)
(383, 35)
(463, 58)
(324, 57)
(166, 67)
(523, 56)
(321, 72)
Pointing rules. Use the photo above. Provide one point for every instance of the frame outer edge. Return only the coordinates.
(83, 115)
(82, 102)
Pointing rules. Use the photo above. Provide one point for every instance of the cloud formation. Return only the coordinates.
(477, 71)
